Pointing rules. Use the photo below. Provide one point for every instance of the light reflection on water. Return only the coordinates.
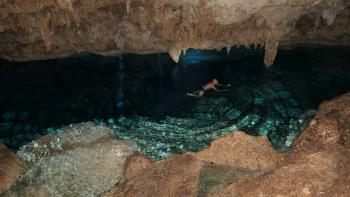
(157, 114)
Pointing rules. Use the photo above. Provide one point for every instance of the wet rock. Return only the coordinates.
(10, 166)
(79, 160)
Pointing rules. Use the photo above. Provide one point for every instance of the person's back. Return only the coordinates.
(213, 85)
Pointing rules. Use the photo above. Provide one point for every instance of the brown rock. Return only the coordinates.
(135, 164)
(49, 29)
(198, 174)
(177, 176)
(319, 164)
(331, 124)
(10, 167)
(241, 151)
(308, 173)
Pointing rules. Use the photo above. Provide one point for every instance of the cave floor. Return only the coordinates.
(143, 97)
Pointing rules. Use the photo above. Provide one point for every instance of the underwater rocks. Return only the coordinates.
(49, 29)
(241, 165)
(10, 166)
(79, 160)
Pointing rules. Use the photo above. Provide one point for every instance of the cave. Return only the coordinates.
(174, 98)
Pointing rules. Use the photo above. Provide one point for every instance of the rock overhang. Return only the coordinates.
(49, 29)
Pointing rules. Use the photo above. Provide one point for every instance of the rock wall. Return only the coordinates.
(42, 29)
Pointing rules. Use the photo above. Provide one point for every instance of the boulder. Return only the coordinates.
(177, 176)
(309, 173)
(241, 151)
(331, 124)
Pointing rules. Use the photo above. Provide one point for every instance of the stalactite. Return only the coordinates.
(128, 6)
(271, 48)
(228, 49)
(175, 52)
(184, 50)
(329, 15)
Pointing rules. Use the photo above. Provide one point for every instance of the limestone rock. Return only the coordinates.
(177, 176)
(78, 160)
(241, 151)
(135, 164)
(199, 174)
(331, 124)
(10, 166)
(308, 173)
(40, 29)
(318, 165)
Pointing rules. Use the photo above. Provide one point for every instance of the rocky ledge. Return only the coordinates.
(240, 165)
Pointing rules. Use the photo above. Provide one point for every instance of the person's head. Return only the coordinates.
(215, 81)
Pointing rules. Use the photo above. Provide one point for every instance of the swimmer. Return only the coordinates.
(213, 85)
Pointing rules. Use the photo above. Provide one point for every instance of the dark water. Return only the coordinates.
(143, 97)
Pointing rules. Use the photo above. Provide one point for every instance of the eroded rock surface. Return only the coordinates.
(241, 165)
(318, 165)
(48, 29)
(331, 124)
(241, 151)
(192, 174)
(10, 166)
(79, 160)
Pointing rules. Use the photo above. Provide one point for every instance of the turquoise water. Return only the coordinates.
(143, 97)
